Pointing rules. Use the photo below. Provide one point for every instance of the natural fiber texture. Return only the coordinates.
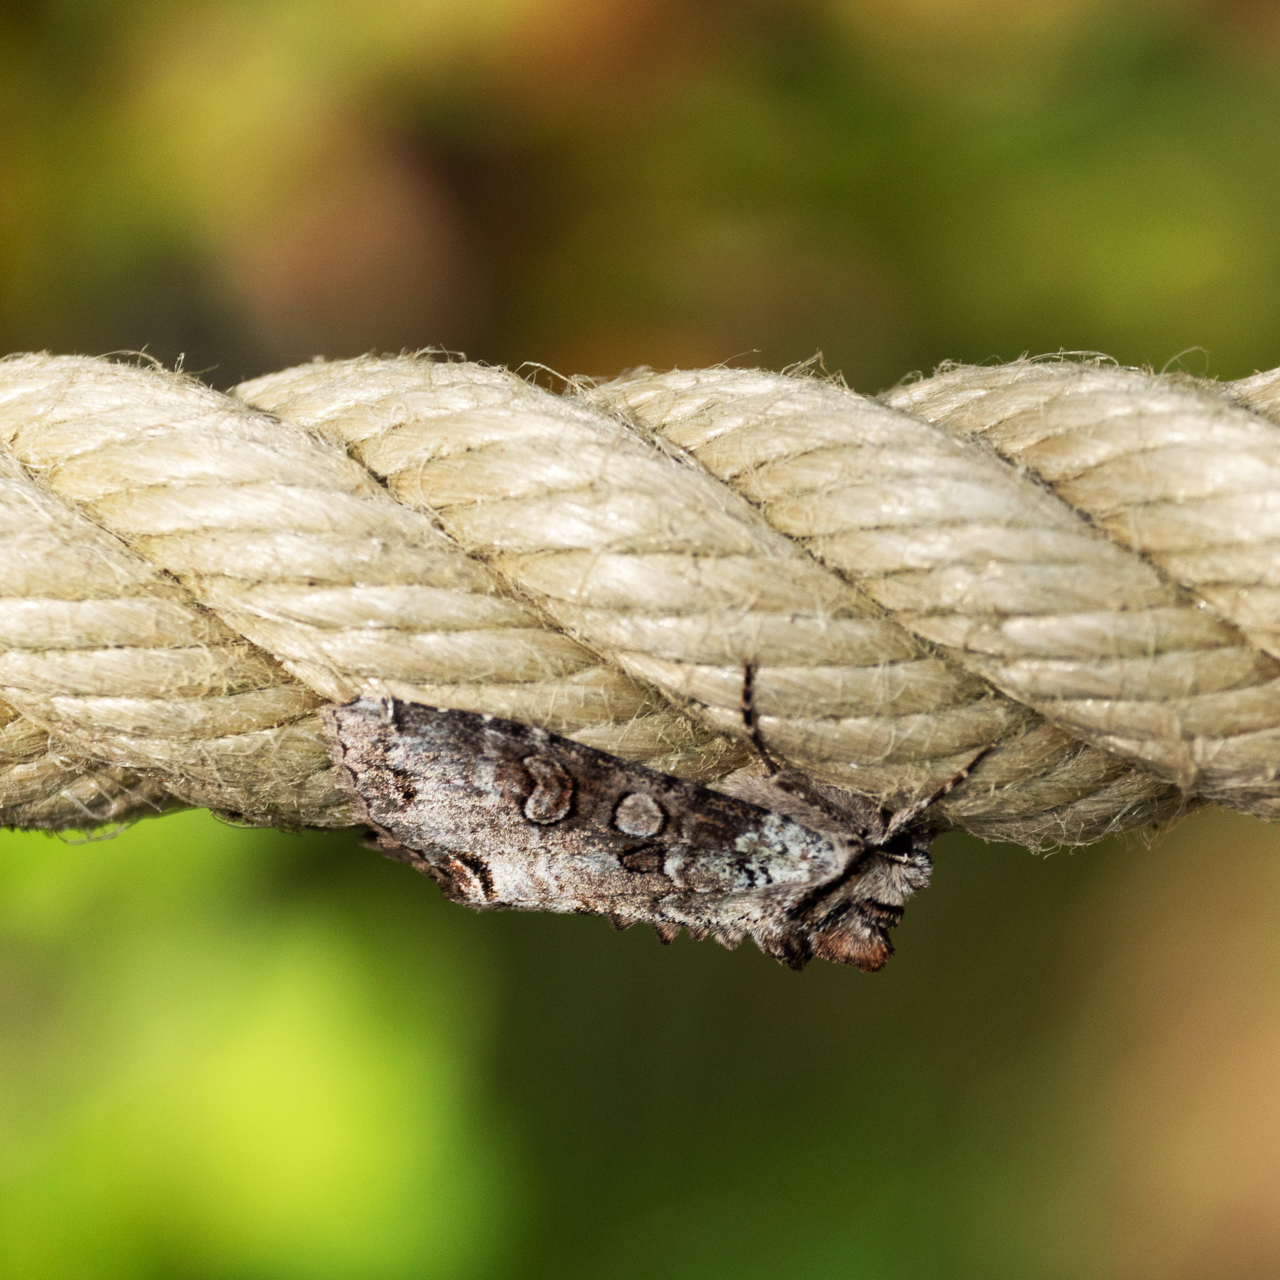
(1072, 564)
(45, 788)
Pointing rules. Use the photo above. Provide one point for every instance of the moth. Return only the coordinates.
(505, 815)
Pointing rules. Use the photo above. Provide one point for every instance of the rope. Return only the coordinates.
(1072, 563)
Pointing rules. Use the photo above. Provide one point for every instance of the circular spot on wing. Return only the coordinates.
(552, 792)
(639, 814)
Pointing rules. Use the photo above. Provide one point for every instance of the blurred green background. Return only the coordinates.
(235, 1055)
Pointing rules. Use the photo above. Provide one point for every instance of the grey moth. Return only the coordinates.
(505, 815)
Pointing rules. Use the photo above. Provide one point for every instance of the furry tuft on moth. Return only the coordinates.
(505, 815)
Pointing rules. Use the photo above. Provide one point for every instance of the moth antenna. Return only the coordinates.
(751, 721)
(908, 816)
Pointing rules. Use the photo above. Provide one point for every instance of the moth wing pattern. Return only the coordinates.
(506, 815)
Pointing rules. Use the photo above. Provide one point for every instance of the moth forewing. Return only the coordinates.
(506, 815)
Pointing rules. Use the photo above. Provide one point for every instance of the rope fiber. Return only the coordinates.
(1072, 566)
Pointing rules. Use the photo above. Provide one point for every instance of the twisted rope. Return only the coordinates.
(1074, 564)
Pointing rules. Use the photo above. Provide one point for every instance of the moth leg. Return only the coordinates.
(908, 817)
(751, 722)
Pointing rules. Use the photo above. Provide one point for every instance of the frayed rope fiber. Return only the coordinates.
(1071, 564)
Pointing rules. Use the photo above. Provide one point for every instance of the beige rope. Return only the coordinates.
(42, 787)
(989, 558)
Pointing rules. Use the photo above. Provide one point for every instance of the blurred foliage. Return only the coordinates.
(597, 183)
(243, 1055)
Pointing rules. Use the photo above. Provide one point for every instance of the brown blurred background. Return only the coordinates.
(231, 1055)
(596, 184)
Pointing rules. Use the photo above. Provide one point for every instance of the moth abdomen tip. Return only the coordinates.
(787, 948)
(868, 950)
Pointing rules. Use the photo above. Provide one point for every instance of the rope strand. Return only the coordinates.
(1068, 563)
